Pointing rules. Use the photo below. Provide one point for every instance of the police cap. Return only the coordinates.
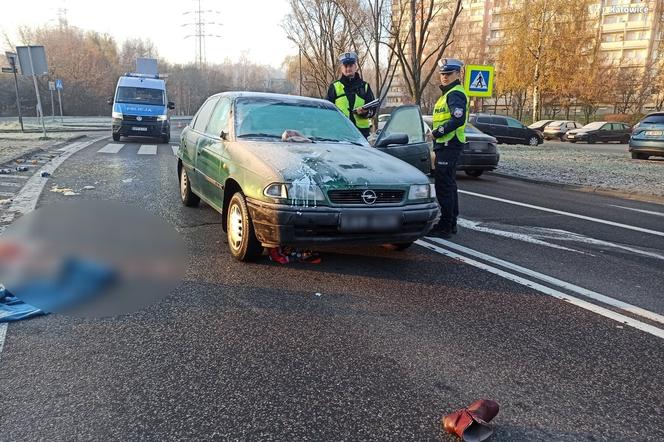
(449, 65)
(348, 58)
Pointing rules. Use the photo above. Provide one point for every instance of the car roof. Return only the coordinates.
(148, 83)
(294, 99)
(652, 114)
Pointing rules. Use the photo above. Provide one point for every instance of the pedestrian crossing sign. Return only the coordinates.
(478, 80)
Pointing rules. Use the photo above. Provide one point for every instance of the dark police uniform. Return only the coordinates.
(351, 93)
(450, 117)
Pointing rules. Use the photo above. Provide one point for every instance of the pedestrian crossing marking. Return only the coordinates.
(147, 149)
(6, 194)
(479, 82)
(9, 184)
(111, 148)
(175, 149)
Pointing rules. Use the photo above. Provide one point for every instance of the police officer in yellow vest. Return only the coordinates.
(450, 116)
(349, 93)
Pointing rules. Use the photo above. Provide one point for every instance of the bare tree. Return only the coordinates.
(419, 34)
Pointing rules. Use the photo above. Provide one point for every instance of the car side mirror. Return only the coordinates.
(171, 105)
(395, 138)
(109, 101)
(224, 135)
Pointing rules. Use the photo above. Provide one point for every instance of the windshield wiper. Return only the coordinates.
(259, 135)
(343, 140)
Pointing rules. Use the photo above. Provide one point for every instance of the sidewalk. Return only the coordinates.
(17, 145)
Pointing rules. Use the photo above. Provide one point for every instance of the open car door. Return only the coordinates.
(403, 137)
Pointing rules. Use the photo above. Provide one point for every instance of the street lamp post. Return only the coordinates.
(300, 52)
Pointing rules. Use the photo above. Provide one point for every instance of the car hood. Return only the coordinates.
(330, 165)
(580, 131)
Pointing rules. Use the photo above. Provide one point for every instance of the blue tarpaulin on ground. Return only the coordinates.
(13, 309)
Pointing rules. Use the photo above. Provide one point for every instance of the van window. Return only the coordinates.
(140, 95)
(501, 121)
(203, 115)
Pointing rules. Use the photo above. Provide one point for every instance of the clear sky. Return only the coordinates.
(247, 25)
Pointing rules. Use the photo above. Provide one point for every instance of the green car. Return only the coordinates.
(323, 184)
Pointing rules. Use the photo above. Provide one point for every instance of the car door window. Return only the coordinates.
(203, 115)
(511, 122)
(219, 118)
(571, 125)
(406, 120)
(606, 127)
(501, 121)
(483, 120)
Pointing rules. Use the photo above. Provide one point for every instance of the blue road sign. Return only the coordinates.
(479, 80)
(58, 84)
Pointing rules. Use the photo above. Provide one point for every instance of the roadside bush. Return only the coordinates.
(630, 119)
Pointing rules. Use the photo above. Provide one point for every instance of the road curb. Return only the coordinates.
(580, 188)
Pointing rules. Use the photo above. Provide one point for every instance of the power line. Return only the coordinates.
(200, 27)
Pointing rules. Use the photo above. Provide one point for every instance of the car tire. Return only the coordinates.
(188, 197)
(625, 140)
(474, 173)
(639, 156)
(398, 247)
(572, 141)
(116, 137)
(242, 241)
(532, 141)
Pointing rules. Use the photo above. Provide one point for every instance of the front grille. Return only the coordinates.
(355, 196)
(146, 119)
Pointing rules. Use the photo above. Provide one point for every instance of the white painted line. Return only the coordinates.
(554, 281)
(560, 212)
(3, 334)
(8, 184)
(549, 291)
(111, 148)
(649, 212)
(147, 149)
(6, 194)
(17, 177)
(175, 149)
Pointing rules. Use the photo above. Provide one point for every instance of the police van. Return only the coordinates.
(140, 107)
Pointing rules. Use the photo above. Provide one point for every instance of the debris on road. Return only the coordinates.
(284, 255)
(128, 180)
(13, 309)
(88, 187)
(319, 294)
(63, 190)
(70, 193)
(472, 423)
(5, 171)
(45, 174)
(22, 168)
(6, 201)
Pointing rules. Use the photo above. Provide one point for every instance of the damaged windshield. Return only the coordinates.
(269, 119)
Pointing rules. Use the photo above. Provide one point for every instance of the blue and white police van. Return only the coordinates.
(140, 107)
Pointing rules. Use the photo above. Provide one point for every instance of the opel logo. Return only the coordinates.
(369, 197)
(139, 118)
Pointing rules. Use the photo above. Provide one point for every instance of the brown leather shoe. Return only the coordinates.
(472, 423)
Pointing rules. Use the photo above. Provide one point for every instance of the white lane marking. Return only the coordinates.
(6, 194)
(554, 281)
(3, 334)
(549, 291)
(111, 148)
(147, 149)
(175, 149)
(476, 225)
(649, 212)
(17, 177)
(560, 212)
(26, 199)
(9, 184)
(535, 235)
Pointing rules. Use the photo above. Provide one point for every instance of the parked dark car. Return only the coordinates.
(540, 125)
(557, 129)
(600, 131)
(648, 137)
(506, 129)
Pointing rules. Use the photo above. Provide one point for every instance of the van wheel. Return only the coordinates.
(474, 173)
(116, 137)
(188, 197)
(242, 241)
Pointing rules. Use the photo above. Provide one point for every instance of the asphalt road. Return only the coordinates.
(370, 344)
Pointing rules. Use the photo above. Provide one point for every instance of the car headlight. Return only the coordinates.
(303, 193)
(116, 115)
(420, 191)
(276, 190)
(162, 117)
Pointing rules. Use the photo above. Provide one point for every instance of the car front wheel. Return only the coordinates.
(242, 241)
(533, 141)
(116, 137)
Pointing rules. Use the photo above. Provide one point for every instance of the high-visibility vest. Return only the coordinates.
(341, 101)
(441, 114)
